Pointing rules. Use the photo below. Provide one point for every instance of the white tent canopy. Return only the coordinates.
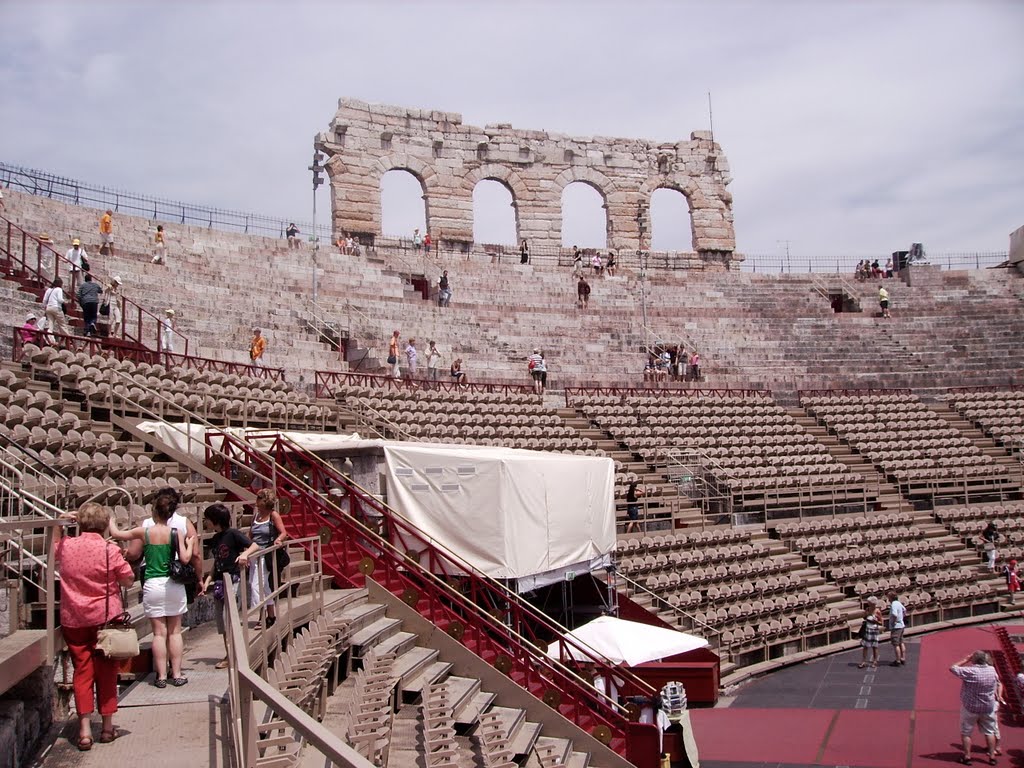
(529, 516)
(629, 642)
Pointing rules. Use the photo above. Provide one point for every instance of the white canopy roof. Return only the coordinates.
(629, 642)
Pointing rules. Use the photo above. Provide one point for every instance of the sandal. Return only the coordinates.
(177, 682)
(861, 666)
(84, 743)
(108, 736)
(161, 683)
(965, 760)
(992, 760)
(222, 664)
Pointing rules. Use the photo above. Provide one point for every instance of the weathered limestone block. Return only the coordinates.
(366, 141)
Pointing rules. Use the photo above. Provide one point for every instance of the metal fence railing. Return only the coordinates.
(76, 192)
(773, 263)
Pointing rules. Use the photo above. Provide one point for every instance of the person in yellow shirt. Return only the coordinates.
(257, 347)
(107, 232)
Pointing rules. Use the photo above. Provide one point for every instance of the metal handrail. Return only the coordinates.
(667, 391)
(326, 380)
(636, 586)
(482, 632)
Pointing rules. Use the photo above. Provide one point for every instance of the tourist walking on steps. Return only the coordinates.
(870, 629)
(167, 331)
(257, 347)
(88, 296)
(980, 695)
(92, 572)
(54, 311)
(393, 356)
(1012, 576)
(990, 537)
(535, 366)
(633, 494)
(159, 246)
(77, 256)
(883, 301)
(582, 293)
(164, 601)
(107, 233)
(112, 302)
(897, 624)
(433, 362)
(444, 290)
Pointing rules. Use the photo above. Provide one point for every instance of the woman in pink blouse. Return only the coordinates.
(92, 570)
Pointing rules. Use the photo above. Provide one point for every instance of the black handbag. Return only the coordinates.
(105, 309)
(85, 264)
(181, 573)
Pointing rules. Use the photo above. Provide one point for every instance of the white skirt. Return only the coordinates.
(162, 597)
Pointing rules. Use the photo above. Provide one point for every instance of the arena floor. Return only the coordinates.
(828, 712)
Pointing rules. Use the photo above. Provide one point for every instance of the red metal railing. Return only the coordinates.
(34, 263)
(329, 382)
(1008, 387)
(363, 537)
(692, 394)
(99, 346)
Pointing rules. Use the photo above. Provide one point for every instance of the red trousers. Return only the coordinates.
(91, 669)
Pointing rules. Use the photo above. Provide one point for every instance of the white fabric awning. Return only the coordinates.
(629, 642)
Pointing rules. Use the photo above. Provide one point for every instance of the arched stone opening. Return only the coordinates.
(404, 205)
(671, 220)
(495, 213)
(585, 220)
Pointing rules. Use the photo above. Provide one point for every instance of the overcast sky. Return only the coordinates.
(851, 127)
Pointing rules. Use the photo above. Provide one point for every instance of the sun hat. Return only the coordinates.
(31, 316)
(170, 311)
(76, 241)
(116, 279)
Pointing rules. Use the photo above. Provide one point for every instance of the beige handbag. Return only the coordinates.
(117, 638)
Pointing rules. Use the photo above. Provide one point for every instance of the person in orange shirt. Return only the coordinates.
(107, 231)
(257, 347)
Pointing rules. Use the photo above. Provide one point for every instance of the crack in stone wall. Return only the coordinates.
(449, 159)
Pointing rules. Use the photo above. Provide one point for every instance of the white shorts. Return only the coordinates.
(106, 239)
(162, 597)
(986, 722)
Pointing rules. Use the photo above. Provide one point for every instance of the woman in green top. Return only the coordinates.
(162, 599)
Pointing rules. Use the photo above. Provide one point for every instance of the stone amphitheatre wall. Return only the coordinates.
(365, 141)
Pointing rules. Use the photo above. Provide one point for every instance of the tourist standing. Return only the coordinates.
(633, 494)
(577, 262)
(393, 356)
(427, 242)
(695, 365)
(524, 253)
(257, 347)
(417, 239)
(231, 550)
(870, 630)
(267, 529)
(410, 357)
(159, 246)
(990, 537)
(92, 571)
(980, 694)
(433, 362)
(164, 601)
(167, 331)
(292, 234)
(897, 624)
(609, 267)
(535, 366)
(444, 290)
(458, 375)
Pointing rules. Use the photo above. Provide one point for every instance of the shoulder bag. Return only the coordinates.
(179, 572)
(117, 638)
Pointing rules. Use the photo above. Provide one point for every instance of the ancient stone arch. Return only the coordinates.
(367, 140)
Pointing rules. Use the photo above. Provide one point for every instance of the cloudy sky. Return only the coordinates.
(851, 127)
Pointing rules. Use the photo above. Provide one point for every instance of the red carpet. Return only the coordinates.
(879, 739)
(873, 733)
(773, 735)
